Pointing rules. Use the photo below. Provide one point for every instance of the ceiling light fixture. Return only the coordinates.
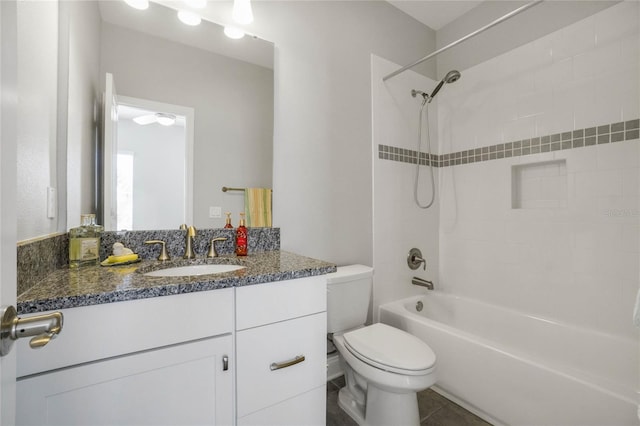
(138, 4)
(189, 18)
(165, 119)
(161, 118)
(233, 32)
(242, 13)
(196, 4)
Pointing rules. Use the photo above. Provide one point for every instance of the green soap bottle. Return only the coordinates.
(84, 242)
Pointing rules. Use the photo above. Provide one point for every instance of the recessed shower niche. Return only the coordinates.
(540, 185)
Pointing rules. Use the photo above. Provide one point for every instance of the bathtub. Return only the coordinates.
(516, 369)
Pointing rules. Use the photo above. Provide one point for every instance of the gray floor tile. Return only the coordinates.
(435, 410)
(453, 415)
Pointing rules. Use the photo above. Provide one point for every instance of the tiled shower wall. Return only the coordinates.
(575, 261)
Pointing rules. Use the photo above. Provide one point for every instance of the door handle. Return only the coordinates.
(279, 365)
(42, 328)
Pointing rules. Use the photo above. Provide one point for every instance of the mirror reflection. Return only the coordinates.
(228, 84)
(153, 56)
(149, 175)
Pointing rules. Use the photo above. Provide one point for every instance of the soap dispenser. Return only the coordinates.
(241, 238)
(84, 242)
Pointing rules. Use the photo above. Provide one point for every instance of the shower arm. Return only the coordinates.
(460, 40)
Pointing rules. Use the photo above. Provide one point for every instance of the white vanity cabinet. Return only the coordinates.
(158, 361)
(281, 353)
(252, 355)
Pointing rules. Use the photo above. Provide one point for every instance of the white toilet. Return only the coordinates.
(384, 367)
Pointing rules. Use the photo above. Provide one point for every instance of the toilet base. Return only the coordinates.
(348, 403)
(383, 408)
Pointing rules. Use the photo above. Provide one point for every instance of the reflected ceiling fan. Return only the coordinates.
(162, 118)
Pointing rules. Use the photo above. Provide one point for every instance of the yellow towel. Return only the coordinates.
(257, 207)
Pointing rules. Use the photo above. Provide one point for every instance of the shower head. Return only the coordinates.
(451, 77)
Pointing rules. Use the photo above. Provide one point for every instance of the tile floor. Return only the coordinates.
(435, 410)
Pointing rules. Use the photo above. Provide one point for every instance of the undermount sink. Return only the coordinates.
(185, 271)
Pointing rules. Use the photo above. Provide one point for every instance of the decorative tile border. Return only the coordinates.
(608, 133)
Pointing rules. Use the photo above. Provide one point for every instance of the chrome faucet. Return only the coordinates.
(422, 283)
(188, 250)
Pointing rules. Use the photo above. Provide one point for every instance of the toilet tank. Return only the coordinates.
(348, 295)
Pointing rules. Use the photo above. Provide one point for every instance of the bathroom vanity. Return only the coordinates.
(243, 347)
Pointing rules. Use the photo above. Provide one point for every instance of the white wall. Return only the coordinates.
(577, 264)
(36, 115)
(233, 110)
(322, 171)
(398, 224)
(158, 173)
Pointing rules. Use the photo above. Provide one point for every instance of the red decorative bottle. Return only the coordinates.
(241, 238)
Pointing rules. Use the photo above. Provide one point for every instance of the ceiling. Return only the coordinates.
(435, 13)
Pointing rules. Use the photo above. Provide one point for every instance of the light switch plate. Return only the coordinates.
(215, 212)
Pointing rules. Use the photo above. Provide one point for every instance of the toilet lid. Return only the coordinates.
(390, 349)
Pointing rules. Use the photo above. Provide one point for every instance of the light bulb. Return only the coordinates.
(189, 18)
(242, 13)
(138, 4)
(233, 32)
(196, 4)
(165, 119)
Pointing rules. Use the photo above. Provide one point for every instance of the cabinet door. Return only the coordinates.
(184, 384)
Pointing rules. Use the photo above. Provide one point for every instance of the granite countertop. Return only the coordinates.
(69, 288)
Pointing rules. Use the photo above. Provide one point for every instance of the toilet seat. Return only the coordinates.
(390, 349)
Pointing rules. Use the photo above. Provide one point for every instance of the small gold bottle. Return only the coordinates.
(228, 224)
(84, 242)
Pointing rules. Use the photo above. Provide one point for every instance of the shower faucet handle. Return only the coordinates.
(415, 259)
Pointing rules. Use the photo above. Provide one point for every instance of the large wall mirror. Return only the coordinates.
(154, 58)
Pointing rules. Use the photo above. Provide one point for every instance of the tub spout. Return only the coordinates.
(422, 283)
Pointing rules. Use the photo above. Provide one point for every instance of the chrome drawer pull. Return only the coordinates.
(278, 365)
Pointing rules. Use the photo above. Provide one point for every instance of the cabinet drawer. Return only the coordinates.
(308, 409)
(102, 331)
(258, 386)
(268, 303)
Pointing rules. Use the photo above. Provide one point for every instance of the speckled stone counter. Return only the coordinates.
(69, 288)
(39, 257)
